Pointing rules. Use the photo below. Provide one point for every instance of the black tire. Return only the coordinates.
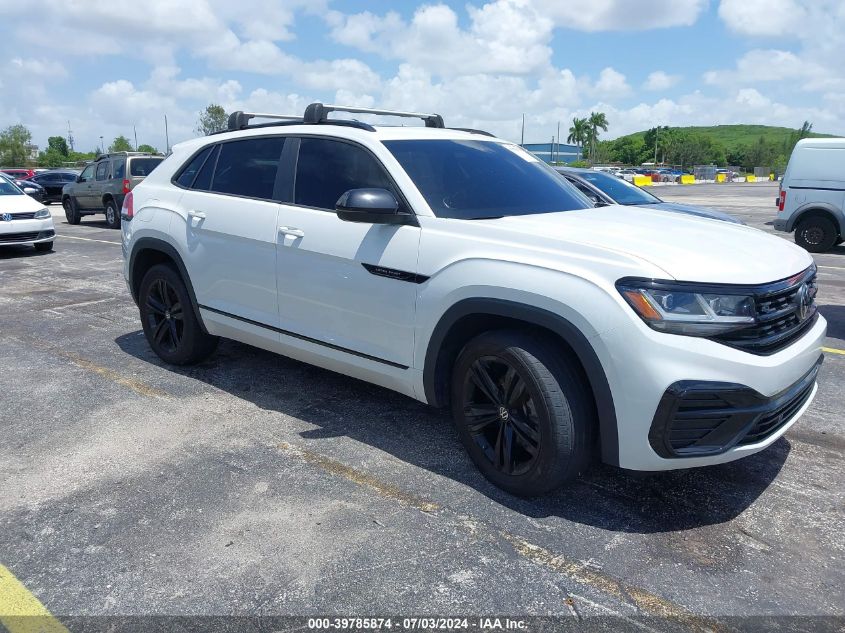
(43, 247)
(817, 234)
(540, 406)
(169, 321)
(112, 214)
(71, 210)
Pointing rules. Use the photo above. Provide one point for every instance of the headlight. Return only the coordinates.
(686, 308)
(42, 214)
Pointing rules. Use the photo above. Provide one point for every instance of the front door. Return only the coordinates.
(230, 223)
(347, 285)
(82, 188)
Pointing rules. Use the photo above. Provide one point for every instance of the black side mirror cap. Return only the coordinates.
(374, 206)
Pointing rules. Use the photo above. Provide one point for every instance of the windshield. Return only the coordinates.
(9, 189)
(622, 191)
(143, 166)
(472, 180)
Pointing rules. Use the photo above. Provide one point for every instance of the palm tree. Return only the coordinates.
(597, 121)
(578, 134)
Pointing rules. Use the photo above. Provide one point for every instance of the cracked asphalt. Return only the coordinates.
(254, 485)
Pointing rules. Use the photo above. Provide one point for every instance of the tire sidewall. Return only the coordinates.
(71, 210)
(558, 460)
(114, 223)
(825, 225)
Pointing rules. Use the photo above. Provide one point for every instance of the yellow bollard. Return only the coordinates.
(687, 179)
(643, 181)
(750, 178)
(720, 177)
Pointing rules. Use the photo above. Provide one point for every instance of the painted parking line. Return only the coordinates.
(831, 267)
(86, 239)
(833, 350)
(22, 612)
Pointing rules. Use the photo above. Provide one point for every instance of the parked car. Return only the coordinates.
(53, 182)
(811, 198)
(459, 269)
(19, 173)
(32, 189)
(23, 221)
(604, 189)
(103, 184)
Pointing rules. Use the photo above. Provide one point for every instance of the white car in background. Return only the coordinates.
(24, 220)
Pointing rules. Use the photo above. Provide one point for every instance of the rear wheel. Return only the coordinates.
(522, 411)
(816, 234)
(43, 246)
(112, 214)
(71, 210)
(170, 324)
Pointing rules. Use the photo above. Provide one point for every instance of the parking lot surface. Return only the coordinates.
(255, 485)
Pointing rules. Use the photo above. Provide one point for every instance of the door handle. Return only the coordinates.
(291, 231)
(199, 215)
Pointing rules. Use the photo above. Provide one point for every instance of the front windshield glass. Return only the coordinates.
(473, 180)
(622, 191)
(9, 189)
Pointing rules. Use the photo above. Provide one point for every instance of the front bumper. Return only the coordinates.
(26, 232)
(642, 366)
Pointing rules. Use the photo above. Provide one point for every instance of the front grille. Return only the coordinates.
(23, 216)
(708, 418)
(14, 238)
(785, 310)
(771, 422)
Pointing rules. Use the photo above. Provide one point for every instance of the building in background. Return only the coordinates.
(554, 152)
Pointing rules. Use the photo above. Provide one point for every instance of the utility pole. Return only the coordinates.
(136, 136)
(656, 136)
(102, 147)
(552, 151)
(522, 137)
(557, 153)
(166, 136)
(69, 136)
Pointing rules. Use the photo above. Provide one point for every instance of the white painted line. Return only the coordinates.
(831, 267)
(86, 239)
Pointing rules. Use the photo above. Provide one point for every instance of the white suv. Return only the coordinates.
(458, 269)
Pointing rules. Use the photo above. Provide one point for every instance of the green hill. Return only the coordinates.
(735, 136)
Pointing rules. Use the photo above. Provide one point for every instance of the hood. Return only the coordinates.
(18, 204)
(687, 247)
(703, 212)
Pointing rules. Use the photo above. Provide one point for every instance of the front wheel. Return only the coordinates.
(523, 412)
(816, 234)
(112, 215)
(169, 321)
(71, 210)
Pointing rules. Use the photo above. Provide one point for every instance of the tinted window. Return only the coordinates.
(203, 180)
(484, 179)
(88, 173)
(8, 189)
(68, 177)
(248, 167)
(102, 170)
(143, 166)
(119, 167)
(622, 191)
(327, 169)
(189, 172)
(45, 178)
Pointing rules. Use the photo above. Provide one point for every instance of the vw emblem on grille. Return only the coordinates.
(7, 217)
(503, 414)
(803, 301)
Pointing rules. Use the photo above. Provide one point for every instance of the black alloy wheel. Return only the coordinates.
(501, 415)
(165, 316)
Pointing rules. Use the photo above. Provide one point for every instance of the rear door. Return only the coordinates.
(229, 220)
(98, 187)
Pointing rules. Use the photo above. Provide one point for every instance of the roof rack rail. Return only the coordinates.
(319, 112)
(471, 131)
(239, 120)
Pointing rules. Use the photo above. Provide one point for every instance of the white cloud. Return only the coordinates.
(660, 80)
(621, 15)
(762, 17)
(611, 84)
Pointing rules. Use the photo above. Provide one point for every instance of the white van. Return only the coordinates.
(811, 200)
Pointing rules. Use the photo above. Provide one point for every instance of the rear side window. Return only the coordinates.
(103, 170)
(248, 168)
(203, 179)
(119, 167)
(143, 166)
(327, 169)
(189, 172)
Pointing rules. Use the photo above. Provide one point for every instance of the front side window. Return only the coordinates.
(103, 170)
(472, 180)
(326, 169)
(622, 191)
(87, 173)
(248, 168)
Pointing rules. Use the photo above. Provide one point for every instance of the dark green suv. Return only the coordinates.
(103, 184)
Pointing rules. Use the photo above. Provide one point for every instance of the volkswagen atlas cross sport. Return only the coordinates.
(458, 269)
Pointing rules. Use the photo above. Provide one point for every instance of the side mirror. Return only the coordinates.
(79, 178)
(374, 206)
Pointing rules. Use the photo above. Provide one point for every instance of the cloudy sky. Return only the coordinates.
(108, 64)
